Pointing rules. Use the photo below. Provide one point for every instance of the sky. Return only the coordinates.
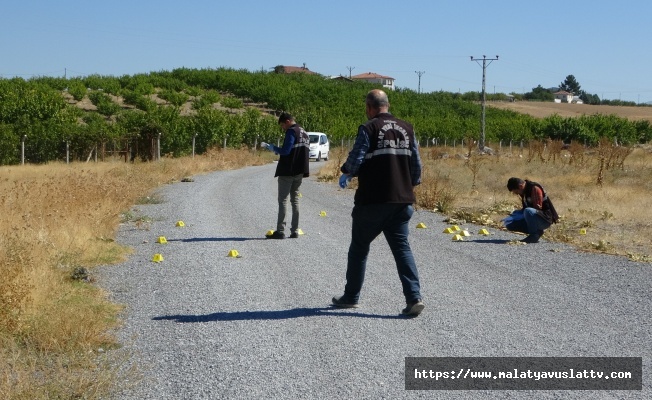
(601, 43)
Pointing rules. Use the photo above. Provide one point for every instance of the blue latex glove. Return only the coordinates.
(344, 180)
(270, 147)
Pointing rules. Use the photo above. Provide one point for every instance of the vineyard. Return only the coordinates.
(187, 111)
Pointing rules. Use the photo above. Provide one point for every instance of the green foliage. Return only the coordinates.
(193, 91)
(232, 102)
(643, 131)
(37, 108)
(539, 94)
(618, 103)
(472, 96)
(9, 142)
(139, 84)
(59, 84)
(212, 96)
(77, 89)
(206, 98)
(107, 84)
(589, 98)
(25, 101)
(138, 100)
(105, 105)
(175, 98)
(210, 127)
(571, 85)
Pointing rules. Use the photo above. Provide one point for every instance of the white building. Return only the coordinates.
(563, 96)
(372, 77)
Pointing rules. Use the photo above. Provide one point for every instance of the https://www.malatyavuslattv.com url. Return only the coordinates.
(509, 373)
(516, 374)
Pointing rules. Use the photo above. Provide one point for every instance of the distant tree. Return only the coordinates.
(589, 98)
(279, 69)
(104, 103)
(571, 85)
(77, 89)
(472, 96)
(539, 93)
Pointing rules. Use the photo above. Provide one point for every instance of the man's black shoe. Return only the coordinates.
(413, 309)
(294, 235)
(341, 302)
(276, 235)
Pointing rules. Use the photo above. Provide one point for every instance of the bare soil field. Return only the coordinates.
(544, 109)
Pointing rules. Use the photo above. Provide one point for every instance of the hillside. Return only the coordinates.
(226, 107)
(545, 109)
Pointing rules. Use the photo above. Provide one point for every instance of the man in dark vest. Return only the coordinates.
(292, 167)
(537, 214)
(385, 158)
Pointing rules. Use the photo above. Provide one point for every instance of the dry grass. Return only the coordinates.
(58, 222)
(60, 219)
(614, 213)
(540, 109)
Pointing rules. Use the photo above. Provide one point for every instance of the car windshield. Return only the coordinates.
(314, 139)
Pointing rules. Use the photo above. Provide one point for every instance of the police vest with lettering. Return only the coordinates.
(297, 161)
(384, 176)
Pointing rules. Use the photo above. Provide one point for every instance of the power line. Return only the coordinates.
(484, 94)
(350, 69)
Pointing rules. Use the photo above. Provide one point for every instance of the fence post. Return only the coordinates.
(22, 149)
(193, 145)
(158, 147)
(67, 152)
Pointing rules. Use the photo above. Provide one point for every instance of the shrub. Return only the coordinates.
(232, 102)
(77, 89)
(105, 105)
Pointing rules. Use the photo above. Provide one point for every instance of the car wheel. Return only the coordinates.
(326, 157)
(318, 156)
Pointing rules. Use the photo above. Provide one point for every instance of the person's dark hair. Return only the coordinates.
(285, 117)
(514, 183)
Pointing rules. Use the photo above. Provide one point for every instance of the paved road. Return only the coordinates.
(202, 325)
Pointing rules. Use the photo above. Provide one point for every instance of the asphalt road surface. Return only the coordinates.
(203, 325)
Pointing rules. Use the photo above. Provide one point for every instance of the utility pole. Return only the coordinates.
(484, 94)
(419, 73)
(350, 69)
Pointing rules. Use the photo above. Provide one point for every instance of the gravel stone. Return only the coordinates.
(202, 325)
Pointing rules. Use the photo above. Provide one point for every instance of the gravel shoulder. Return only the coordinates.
(202, 325)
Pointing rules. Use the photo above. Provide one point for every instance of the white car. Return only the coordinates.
(319, 146)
